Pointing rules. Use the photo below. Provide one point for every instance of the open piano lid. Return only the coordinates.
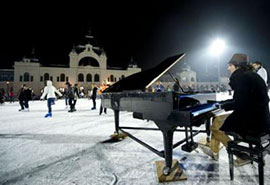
(144, 79)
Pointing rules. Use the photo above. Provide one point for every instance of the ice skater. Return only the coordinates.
(66, 96)
(50, 91)
(76, 95)
(24, 97)
(94, 95)
(103, 87)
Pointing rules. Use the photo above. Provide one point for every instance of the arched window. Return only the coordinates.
(26, 77)
(80, 77)
(123, 76)
(62, 77)
(89, 61)
(111, 78)
(89, 78)
(96, 78)
(192, 79)
(46, 76)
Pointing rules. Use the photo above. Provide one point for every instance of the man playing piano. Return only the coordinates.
(249, 105)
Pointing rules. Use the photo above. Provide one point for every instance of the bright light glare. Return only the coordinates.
(217, 47)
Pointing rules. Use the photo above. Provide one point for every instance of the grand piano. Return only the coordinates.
(168, 110)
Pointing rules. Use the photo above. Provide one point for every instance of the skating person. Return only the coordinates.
(158, 87)
(50, 91)
(11, 95)
(24, 97)
(102, 88)
(76, 96)
(65, 95)
(70, 95)
(94, 96)
(2, 97)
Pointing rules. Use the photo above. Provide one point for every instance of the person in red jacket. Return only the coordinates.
(11, 95)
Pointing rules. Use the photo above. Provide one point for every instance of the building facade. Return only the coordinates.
(188, 81)
(87, 65)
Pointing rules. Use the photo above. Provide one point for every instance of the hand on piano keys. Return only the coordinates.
(204, 108)
(218, 105)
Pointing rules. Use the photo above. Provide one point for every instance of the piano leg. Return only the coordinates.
(207, 128)
(116, 120)
(117, 136)
(168, 139)
(167, 132)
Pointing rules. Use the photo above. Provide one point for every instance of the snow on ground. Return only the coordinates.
(68, 149)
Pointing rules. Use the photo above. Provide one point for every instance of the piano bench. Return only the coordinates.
(249, 147)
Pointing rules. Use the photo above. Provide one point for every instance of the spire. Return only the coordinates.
(132, 63)
(89, 36)
(73, 48)
(31, 57)
(33, 52)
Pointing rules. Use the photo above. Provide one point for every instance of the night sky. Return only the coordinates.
(148, 31)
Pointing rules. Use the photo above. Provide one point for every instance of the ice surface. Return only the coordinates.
(68, 149)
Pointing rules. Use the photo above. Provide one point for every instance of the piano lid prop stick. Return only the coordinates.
(176, 81)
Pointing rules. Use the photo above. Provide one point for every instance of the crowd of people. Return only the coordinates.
(70, 93)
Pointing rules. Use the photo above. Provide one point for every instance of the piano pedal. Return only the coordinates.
(189, 147)
(203, 141)
(118, 136)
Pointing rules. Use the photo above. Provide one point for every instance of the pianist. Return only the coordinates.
(249, 105)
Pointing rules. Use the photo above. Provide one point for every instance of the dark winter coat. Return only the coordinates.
(94, 93)
(20, 96)
(69, 92)
(25, 95)
(1, 97)
(76, 93)
(249, 104)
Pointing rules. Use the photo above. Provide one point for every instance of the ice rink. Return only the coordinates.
(69, 148)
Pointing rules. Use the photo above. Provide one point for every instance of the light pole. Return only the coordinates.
(217, 48)
(7, 88)
(218, 59)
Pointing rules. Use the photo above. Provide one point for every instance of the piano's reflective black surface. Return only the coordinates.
(168, 110)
